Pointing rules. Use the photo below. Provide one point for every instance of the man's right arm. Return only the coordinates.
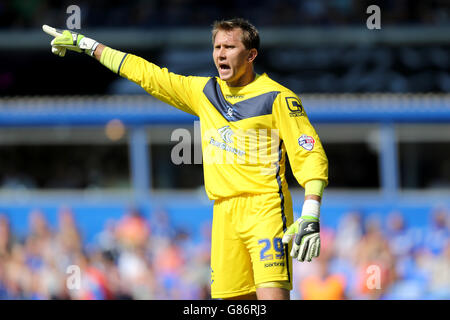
(174, 89)
(177, 90)
(98, 51)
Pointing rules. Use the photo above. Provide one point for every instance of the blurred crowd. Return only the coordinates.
(132, 258)
(375, 259)
(168, 13)
(140, 257)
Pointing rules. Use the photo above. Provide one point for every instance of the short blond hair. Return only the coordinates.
(250, 35)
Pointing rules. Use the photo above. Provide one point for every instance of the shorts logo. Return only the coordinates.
(274, 264)
(295, 107)
(306, 142)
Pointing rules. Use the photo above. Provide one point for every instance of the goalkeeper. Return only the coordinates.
(249, 124)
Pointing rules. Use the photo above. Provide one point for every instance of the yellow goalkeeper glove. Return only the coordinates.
(69, 40)
(306, 233)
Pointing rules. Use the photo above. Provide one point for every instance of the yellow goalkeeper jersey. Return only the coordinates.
(246, 131)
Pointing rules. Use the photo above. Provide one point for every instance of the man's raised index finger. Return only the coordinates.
(51, 31)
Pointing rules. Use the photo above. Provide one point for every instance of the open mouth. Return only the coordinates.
(224, 67)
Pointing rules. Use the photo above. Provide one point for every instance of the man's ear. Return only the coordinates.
(252, 55)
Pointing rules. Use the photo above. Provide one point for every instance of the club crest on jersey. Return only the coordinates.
(306, 142)
(226, 133)
(295, 107)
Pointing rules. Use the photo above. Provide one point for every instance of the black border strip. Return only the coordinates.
(283, 214)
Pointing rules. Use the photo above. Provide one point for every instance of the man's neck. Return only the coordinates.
(243, 81)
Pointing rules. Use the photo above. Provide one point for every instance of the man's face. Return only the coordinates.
(231, 58)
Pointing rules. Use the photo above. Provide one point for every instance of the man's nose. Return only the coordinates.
(222, 54)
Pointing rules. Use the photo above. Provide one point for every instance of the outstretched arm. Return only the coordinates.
(98, 51)
(176, 90)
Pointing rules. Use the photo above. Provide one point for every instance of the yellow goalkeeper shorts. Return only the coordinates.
(246, 246)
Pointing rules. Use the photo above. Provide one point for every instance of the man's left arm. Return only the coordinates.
(309, 165)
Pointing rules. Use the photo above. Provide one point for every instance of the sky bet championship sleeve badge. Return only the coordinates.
(306, 142)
